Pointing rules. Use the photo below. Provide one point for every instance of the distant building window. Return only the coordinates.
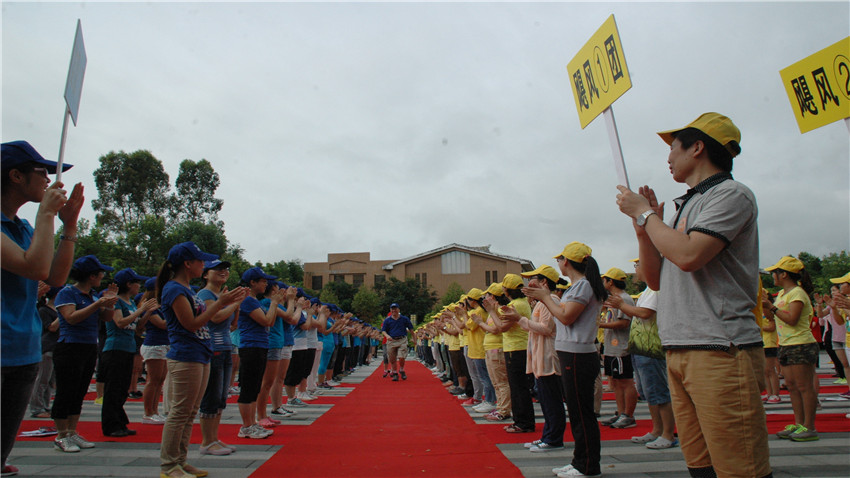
(455, 262)
(422, 279)
(339, 278)
(317, 283)
(490, 277)
(358, 279)
(380, 278)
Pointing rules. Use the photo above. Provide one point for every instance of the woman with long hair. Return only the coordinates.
(119, 351)
(190, 352)
(153, 352)
(576, 315)
(214, 400)
(798, 349)
(80, 312)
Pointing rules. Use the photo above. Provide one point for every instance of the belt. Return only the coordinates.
(400, 337)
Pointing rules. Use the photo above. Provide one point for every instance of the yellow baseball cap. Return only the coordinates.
(575, 251)
(637, 259)
(546, 271)
(563, 286)
(615, 274)
(475, 294)
(512, 281)
(717, 126)
(495, 289)
(841, 280)
(787, 263)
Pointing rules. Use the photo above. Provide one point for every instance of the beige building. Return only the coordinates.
(468, 266)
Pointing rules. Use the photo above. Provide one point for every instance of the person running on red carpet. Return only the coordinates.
(394, 329)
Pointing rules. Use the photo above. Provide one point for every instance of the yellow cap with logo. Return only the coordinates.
(715, 125)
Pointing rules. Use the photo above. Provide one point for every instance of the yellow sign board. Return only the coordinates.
(819, 86)
(598, 73)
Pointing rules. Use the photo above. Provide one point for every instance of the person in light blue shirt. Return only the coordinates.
(119, 350)
(28, 255)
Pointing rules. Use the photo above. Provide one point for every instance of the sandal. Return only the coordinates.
(516, 429)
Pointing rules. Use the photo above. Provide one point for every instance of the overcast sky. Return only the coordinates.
(396, 128)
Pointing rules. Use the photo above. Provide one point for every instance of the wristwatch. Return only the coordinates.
(641, 220)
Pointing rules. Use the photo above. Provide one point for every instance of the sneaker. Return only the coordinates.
(334, 383)
(403, 375)
(65, 445)
(840, 381)
(456, 391)
(98, 401)
(9, 470)
(533, 444)
(470, 402)
(251, 432)
(215, 449)
(844, 394)
(263, 431)
(485, 407)
(624, 421)
(282, 412)
(609, 421)
(571, 471)
(804, 434)
(543, 447)
(662, 443)
(153, 420)
(82, 442)
(296, 402)
(644, 439)
(306, 396)
(462, 396)
(395, 377)
(789, 429)
(136, 394)
(562, 469)
(234, 390)
(268, 422)
(225, 445)
(773, 399)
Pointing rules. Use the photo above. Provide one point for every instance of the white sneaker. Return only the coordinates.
(562, 469)
(81, 442)
(66, 445)
(265, 432)
(485, 407)
(533, 444)
(306, 396)
(334, 383)
(163, 418)
(573, 472)
(152, 420)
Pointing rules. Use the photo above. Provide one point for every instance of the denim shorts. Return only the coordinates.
(274, 354)
(215, 396)
(286, 352)
(652, 375)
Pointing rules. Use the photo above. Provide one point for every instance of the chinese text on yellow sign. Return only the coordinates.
(819, 86)
(598, 72)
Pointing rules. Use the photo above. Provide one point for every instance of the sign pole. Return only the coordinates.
(614, 138)
(847, 122)
(62, 145)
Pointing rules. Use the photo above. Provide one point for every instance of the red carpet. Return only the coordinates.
(392, 429)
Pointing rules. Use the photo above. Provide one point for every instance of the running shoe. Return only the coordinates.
(253, 432)
(624, 421)
(66, 445)
(609, 421)
(283, 412)
(306, 396)
(532, 444)
(234, 390)
(544, 447)
(152, 420)
(840, 381)
(82, 442)
(789, 429)
(403, 375)
(395, 377)
(572, 471)
(334, 383)
(485, 407)
(804, 434)
(296, 402)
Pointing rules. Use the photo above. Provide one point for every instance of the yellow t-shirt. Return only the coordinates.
(451, 341)
(800, 333)
(475, 339)
(770, 339)
(516, 338)
(492, 341)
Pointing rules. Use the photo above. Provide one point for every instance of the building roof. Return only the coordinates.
(480, 250)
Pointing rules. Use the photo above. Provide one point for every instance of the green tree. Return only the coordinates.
(196, 185)
(413, 297)
(329, 297)
(366, 304)
(453, 293)
(343, 291)
(130, 187)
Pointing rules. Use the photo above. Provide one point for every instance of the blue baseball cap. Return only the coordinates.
(255, 273)
(89, 264)
(150, 284)
(19, 152)
(128, 275)
(187, 251)
(215, 263)
(394, 306)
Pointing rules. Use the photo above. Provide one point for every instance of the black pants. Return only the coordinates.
(827, 344)
(74, 366)
(252, 367)
(550, 391)
(578, 375)
(16, 387)
(117, 372)
(520, 383)
(447, 365)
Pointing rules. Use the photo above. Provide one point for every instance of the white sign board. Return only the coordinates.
(76, 72)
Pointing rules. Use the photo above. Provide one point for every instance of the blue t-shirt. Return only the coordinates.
(84, 332)
(20, 327)
(123, 339)
(186, 346)
(234, 337)
(397, 327)
(276, 334)
(327, 339)
(356, 341)
(346, 341)
(153, 334)
(220, 332)
(251, 333)
(337, 339)
(288, 334)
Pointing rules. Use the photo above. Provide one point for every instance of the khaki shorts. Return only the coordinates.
(396, 348)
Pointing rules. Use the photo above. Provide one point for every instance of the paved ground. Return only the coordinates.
(828, 457)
